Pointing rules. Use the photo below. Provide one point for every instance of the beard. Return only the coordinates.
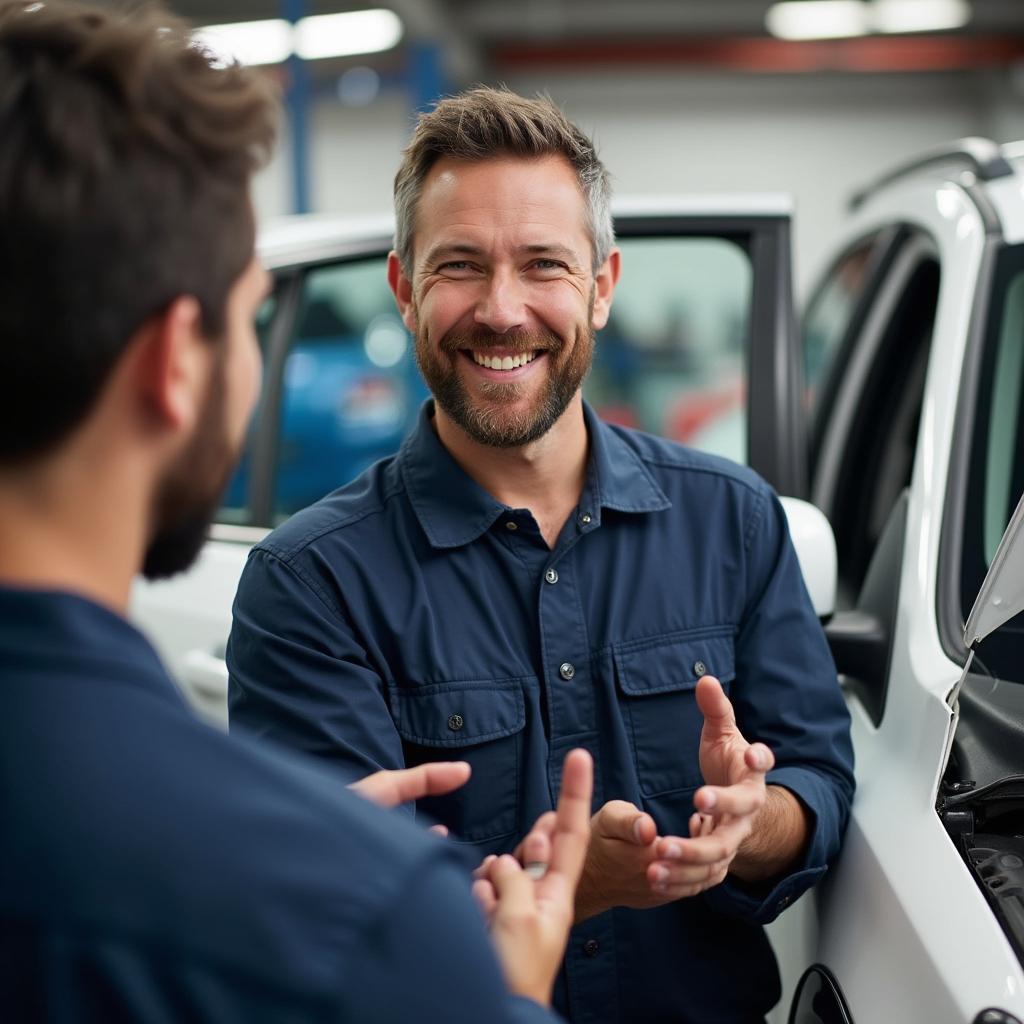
(190, 492)
(487, 413)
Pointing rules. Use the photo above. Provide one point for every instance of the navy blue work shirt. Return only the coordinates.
(153, 869)
(410, 617)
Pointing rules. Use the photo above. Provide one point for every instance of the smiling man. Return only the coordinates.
(522, 578)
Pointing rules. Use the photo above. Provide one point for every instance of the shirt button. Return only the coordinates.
(700, 668)
(783, 903)
(511, 526)
(567, 670)
(551, 576)
(585, 518)
(591, 947)
(455, 722)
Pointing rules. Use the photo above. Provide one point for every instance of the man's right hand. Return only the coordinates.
(626, 867)
(530, 918)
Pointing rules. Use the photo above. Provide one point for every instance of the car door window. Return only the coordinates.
(235, 505)
(867, 436)
(995, 478)
(830, 313)
(351, 388)
(672, 358)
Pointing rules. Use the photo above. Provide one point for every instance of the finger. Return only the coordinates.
(486, 900)
(707, 824)
(759, 758)
(536, 847)
(742, 799)
(715, 706)
(390, 788)
(620, 820)
(536, 853)
(439, 830)
(684, 879)
(512, 886)
(485, 865)
(708, 849)
(572, 828)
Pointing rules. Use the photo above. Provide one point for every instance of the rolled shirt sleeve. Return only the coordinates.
(786, 695)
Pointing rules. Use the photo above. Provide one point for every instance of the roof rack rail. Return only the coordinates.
(982, 156)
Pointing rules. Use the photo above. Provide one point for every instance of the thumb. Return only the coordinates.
(715, 706)
(621, 820)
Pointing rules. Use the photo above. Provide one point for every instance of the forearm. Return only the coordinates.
(778, 838)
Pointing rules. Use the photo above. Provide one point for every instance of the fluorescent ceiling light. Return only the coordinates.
(248, 42)
(919, 15)
(818, 19)
(341, 35)
(328, 35)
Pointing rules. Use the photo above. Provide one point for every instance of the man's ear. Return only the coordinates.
(401, 288)
(605, 281)
(173, 364)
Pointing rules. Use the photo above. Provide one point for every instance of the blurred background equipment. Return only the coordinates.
(808, 97)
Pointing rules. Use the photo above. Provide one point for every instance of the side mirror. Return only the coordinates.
(1002, 591)
(815, 551)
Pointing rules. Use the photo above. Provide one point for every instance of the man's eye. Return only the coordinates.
(456, 265)
(548, 265)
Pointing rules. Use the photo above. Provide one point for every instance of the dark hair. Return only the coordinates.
(485, 123)
(126, 152)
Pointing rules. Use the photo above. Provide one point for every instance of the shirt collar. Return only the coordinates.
(616, 475)
(65, 629)
(454, 510)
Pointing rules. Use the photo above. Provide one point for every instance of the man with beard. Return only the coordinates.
(522, 577)
(152, 868)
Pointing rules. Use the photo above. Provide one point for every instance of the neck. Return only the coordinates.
(75, 523)
(545, 476)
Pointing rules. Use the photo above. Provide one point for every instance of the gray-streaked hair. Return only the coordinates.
(484, 124)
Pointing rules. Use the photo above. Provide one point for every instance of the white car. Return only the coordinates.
(895, 410)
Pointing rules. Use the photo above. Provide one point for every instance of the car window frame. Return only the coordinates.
(911, 248)
(949, 583)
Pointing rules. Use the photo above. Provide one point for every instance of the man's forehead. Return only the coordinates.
(533, 204)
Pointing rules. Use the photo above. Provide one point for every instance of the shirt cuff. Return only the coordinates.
(761, 903)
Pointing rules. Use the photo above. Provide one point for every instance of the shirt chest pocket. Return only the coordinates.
(479, 722)
(657, 682)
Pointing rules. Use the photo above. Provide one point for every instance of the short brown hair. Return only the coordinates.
(485, 123)
(125, 162)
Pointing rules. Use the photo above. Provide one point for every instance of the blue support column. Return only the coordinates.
(297, 101)
(427, 83)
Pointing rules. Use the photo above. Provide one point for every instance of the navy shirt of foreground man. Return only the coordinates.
(410, 616)
(153, 869)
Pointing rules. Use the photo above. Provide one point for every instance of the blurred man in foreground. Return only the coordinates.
(151, 868)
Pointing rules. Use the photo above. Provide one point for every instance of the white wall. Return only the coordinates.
(816, 136)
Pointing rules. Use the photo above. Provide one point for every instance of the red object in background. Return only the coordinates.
(620, 415)
(690, 414)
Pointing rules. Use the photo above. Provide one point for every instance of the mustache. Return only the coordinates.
(516, 341)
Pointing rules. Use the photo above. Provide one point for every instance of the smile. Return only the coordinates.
(497, 362)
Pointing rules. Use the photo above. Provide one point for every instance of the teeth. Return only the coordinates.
(503, 362)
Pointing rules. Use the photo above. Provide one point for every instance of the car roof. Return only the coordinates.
(309, 238)
(992, 173)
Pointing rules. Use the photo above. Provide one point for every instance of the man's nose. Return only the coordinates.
(501, 307)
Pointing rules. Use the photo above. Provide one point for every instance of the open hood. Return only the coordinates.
(1002, 592)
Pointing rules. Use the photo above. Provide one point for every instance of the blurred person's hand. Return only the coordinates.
(389, 788)
(530, 916)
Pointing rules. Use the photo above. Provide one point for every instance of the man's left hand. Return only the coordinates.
(746, 827)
